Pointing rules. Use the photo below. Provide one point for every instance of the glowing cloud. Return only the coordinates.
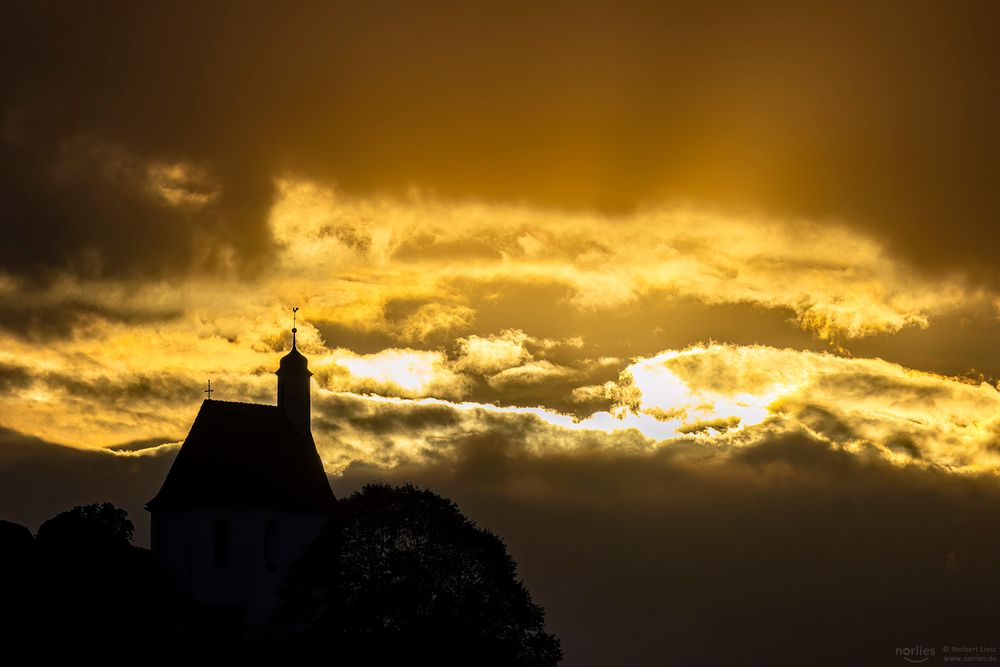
(906, 414)
(403, 372)
(836, 282)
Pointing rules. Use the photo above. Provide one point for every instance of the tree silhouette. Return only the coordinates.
(16, 545)
(93, 590)
(400, 576)
(95, 526)
(17, 589)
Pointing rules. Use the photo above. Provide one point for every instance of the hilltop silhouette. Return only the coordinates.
(428, 587)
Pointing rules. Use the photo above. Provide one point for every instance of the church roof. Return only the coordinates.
(244, 455)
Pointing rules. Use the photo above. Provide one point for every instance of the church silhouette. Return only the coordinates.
(244, 496)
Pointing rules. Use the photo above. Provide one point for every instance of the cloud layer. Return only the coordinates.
(403, 297)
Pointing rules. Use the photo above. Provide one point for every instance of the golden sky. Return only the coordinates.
(538, 248)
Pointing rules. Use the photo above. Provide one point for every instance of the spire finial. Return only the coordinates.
(295, 310)
(209, 390)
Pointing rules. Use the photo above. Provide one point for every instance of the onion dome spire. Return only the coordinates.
(294, 384)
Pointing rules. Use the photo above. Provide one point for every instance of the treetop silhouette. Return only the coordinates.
(398, 575)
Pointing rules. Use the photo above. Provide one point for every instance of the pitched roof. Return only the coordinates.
(244, 455)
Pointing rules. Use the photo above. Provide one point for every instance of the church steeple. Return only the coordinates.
(293, 385)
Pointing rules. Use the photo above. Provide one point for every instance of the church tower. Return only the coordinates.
(293, 388)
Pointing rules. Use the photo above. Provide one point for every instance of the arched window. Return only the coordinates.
(271, 545)
(222, 537)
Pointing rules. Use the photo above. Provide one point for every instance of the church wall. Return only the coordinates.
(185, 544)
